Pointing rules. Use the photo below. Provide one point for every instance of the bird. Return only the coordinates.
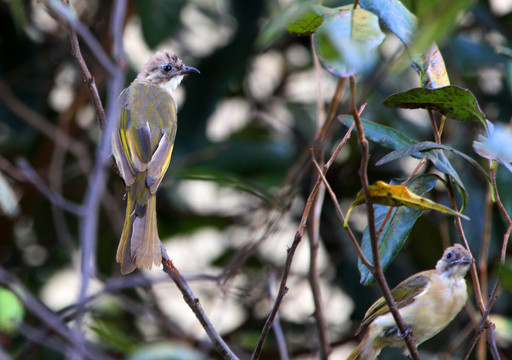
(427, 301)
(142, 145)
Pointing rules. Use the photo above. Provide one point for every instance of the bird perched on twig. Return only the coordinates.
(142, 146)
(427, 302)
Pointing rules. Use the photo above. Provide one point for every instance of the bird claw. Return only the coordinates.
(397, 331)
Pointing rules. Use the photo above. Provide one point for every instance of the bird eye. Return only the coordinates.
(167, 67)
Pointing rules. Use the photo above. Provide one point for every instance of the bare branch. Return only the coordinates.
(377, 267)
(194, 304)
(53, 196)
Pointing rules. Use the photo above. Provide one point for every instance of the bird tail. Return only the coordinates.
(364, 351)
(139, 245)
(354, 355)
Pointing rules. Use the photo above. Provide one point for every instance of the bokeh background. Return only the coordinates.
(232, 197)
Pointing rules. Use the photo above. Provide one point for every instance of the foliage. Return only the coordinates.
(242, 173)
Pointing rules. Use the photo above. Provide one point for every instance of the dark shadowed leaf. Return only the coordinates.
(426, 146)
(159, 19)
(397, 229)
(452, 101)
(393, 15)
(346, 42)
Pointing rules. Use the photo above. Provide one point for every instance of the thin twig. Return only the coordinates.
(194, 304)
(52, 195)
(63, 12)
(86, 74)
(96, 185)
(378, 273)
(484, 323)
(286, 272)
(278, 330)
(48, 317)
(342, 218)
(45, 127)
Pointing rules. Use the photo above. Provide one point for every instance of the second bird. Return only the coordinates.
(142, 146)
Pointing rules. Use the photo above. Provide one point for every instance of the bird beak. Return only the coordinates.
(465, 260)
(189, 70)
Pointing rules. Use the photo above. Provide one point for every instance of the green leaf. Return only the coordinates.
(159, 19)
(305, 21)
(346, 42)
(11, 311)
(393, 139)
(8, 201)
(452, 101)
(397, 229)
(393, 15)
(381, 134)
(427, 146)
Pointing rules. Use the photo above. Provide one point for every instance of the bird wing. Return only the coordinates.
(403, 294)
(146, 132)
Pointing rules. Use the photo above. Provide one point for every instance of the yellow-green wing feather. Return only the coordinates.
(146, 132)
(403, 294)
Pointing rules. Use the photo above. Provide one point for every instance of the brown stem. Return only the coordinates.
(378, 273)
(342, 217)
(194, 304)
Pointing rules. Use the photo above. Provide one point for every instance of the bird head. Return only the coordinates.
(455, 261)
(166, 70)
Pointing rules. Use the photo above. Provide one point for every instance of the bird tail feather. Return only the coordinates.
(139, 245)
(364, 351)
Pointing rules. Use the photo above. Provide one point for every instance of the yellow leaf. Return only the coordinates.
(398, 195)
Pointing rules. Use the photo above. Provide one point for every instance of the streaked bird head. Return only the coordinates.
(455, 262)
(166, 70)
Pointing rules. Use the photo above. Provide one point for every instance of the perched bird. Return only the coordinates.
(427, 302)
(142, 146)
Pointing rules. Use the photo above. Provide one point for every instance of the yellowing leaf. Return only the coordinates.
(398, 195)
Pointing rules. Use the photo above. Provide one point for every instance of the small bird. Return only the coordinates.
(427, 302)
(142, 145)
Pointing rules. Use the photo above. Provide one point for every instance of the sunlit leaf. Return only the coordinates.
(11, 311)
(305, 21)
(8, 201)
(452, 101)
(497, 145)
(404, 145)
(396, 230)
(503, 327)
(346, 42)
(398, 195)
(393, 15)
(433, 69)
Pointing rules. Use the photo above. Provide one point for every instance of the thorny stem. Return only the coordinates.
(377, 268)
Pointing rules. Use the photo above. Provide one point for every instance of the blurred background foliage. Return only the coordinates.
(233, 194)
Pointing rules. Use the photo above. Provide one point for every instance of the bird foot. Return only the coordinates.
(395, 330)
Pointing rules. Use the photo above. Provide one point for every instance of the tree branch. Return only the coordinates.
(194, 304)
(377, 268)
